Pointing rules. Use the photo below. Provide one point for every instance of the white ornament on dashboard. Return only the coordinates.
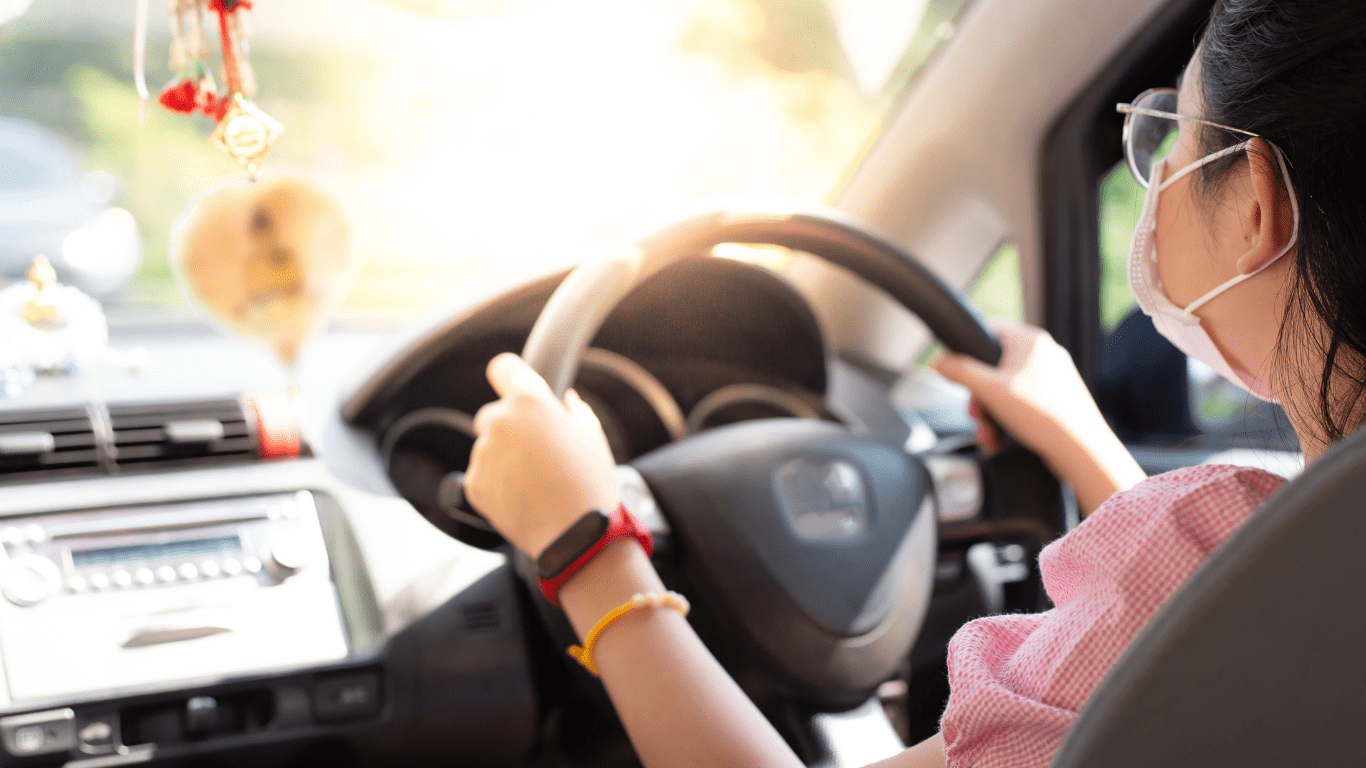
(47, 327)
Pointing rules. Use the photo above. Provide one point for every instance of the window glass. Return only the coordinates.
(1121, 201)
(996, 291)
(472, 140)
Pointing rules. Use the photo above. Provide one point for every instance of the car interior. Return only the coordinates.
(213, 560)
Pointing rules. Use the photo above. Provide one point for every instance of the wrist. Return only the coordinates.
(582, 542)
(621, 570)
(555, 525)
(1097, 466)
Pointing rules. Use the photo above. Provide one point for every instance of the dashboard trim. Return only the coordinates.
(644, 383)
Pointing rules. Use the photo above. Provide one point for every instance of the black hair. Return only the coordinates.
(1294, 72)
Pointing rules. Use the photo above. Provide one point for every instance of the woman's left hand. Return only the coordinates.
(538, 464)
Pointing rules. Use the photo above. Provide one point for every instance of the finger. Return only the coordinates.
(988, 433)
(988, 437)
(509, 373)
(474, 478)
(485, 416)
(582, 413)
(961, 369)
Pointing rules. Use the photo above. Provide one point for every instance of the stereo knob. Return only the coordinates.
(288, 555)
(30, 579)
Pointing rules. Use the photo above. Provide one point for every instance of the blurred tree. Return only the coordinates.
(796, 36)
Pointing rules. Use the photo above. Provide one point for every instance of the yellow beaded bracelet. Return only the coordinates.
(584, 654)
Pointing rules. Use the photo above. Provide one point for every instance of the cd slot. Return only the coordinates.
(155, 521)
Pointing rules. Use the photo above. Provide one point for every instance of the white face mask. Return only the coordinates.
(1180, 326)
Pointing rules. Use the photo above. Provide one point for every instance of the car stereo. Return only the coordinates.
(105, 599)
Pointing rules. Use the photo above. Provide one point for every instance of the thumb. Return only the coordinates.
(580, 412)
(968, 371)
(508, 373)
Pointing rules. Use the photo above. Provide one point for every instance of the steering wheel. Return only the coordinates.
(817, 544)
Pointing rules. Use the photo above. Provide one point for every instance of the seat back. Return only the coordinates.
(1260, 659)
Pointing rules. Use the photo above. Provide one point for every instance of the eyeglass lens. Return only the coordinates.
(1148, 139)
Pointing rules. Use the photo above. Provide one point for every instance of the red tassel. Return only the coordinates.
(217, 106)
(229, 58)
(179, 97)
(230, 71)
(206, 96)
(228, 6)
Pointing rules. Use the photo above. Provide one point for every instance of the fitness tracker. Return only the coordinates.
(583, 540)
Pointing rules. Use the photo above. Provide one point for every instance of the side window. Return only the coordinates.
(996, 290)
(1152, 393)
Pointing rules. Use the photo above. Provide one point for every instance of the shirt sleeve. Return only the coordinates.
(1017, 681)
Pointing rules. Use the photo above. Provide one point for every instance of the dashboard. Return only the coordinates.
(172, 589)
(704, 343)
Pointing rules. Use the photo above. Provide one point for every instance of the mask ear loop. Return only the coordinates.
(1294, 209)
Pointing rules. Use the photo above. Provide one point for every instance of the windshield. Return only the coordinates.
(468, 140)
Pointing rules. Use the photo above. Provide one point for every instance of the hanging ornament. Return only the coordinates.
(269, 261)
(244, 132)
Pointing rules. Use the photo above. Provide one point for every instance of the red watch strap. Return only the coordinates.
(620, 523)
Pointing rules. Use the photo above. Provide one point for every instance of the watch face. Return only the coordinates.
(571, 544)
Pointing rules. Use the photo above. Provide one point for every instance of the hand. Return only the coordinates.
(538, 464)
(1036, 394)
(1033, 392)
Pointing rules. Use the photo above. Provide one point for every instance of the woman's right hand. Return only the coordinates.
(1036, 394)
(539, 463)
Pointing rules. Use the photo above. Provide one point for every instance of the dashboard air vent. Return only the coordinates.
(147, 435)
(480, 617)
(46, 442)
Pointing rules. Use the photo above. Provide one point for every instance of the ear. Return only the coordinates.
(1270, 219)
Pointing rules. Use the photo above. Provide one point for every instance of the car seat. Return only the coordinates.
(1260, 659)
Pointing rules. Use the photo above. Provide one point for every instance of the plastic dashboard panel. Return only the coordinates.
(438, 670)
(696, 326)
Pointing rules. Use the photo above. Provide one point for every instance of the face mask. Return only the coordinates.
(1180, 326)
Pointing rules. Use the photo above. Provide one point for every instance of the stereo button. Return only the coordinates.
(188, 572)
(123, 579)
(288, 555)
(251, 564)
(166, 573)
(30, 579)
(145, 576)
(231, 567)
(346, 697)
(39, 733)
(99, 581)
(76, 584)
(209, 568)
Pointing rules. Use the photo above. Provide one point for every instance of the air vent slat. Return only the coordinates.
(46, 443)
(155, 421)
(54, 426)
(68, 458)
(124, 437)
(146, 435)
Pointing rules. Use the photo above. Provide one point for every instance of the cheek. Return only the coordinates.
(1180, 247)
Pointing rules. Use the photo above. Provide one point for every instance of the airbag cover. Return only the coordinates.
(793, 512)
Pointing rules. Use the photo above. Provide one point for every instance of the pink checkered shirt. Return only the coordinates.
(1018, 681)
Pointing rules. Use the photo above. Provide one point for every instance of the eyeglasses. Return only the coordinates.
(1150, 129)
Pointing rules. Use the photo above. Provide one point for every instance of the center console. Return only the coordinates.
(113, 598)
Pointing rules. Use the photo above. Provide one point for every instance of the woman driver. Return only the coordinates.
(1247, 257)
